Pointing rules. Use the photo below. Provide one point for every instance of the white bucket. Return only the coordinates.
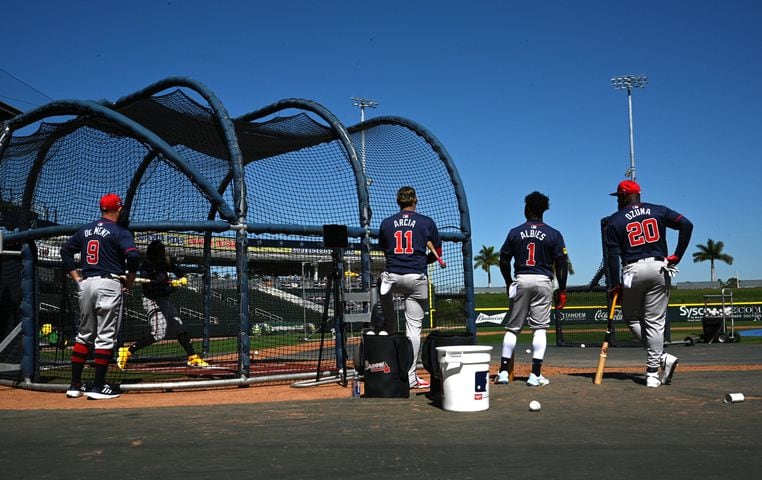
(465, 377)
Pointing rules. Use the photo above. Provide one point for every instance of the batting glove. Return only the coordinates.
(673, 260)
(560, 299)
(671, 270)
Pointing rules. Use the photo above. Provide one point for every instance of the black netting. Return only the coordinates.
(297, 176)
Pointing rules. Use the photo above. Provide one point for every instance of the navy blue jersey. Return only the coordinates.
(158, 274)
(535, 248)
(403, 237)
(640, 231)
(106, 248)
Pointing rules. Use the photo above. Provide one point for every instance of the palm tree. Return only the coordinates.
(712, 251)
(486, 259)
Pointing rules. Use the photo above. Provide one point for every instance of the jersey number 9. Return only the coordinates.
(93, 248)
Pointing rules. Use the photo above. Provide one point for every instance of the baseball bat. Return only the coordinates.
(430, 244)
(182, 281)
(606, 339)
(510, 370)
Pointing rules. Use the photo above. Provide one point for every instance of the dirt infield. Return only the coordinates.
(561, 361)
(617, 429)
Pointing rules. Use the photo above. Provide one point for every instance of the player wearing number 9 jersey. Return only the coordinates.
(637, 235)
(538, 251)
(106, 248)
(403, 238)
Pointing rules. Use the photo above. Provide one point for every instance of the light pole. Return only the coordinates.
(629, 82)
(304, 302)
(363, 103)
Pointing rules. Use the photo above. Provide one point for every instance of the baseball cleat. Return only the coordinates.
(502, 378)
(196, 361)
(652, 380)
(420, 383)
(668, 367)
(105, 392)
(75, 390)
(535, 381)
(124, 355)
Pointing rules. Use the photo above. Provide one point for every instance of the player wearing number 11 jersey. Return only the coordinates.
(403, 238)
(637, 235)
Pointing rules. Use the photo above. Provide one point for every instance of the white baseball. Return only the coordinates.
(528, 351)
(534, 406)
(256, 352)
(582, 346)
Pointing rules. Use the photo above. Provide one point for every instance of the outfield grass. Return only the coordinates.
(677, 297)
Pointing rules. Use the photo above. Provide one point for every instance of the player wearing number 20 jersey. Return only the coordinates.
(636, 235)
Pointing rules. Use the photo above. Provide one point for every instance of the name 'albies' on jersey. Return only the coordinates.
(403, 237)
(534, 247)
(639, 231)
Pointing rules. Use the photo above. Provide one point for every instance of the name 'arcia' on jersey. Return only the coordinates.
(404, 222)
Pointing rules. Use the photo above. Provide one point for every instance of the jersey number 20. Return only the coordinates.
(640, 233)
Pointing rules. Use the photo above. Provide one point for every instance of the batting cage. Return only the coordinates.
(245, 208)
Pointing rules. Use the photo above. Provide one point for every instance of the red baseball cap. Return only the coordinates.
(626, 187)
(111, 202)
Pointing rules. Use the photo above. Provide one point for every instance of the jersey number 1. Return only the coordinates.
(530, 254)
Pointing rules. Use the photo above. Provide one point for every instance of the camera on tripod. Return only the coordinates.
(335, 236)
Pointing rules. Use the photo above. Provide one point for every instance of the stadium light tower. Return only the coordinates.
(629, 82)
(363, 103)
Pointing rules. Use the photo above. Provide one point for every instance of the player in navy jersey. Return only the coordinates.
(637, 235)
(160, 309)
(539, 254)
(106, 248)
(403, 238)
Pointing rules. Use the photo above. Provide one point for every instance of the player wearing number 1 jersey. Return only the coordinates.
(637, 235)
(403, 238)
(538, 251)
(106, 248)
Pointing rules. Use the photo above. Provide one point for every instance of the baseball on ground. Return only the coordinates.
(534, 406)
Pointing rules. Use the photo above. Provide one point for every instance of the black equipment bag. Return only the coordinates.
(431, 360)
(386, 360)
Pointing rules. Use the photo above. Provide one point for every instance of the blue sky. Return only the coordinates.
(518, 92)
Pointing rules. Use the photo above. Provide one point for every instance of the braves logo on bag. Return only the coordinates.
(377, 367)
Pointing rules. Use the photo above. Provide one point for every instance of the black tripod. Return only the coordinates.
(333, 287)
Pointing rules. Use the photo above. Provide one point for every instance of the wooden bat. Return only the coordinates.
(605, 347)
(177, 282)
(430, 244)
(510, 369)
